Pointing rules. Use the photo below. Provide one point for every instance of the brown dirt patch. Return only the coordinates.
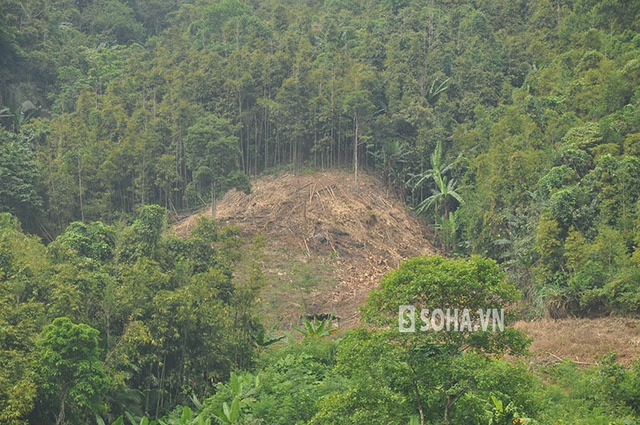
(583, 340)
(318, 227)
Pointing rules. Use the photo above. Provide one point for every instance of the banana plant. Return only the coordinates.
(139, 421)
(264, 338)
(316, 328)
(186, 418)
(100, 421)
(444, 190)
(18, 116)
(132, 420)
(435, 92)
(506, 415)
(238, 385)
(229, 414)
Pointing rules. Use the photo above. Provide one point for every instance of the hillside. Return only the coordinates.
(325, 240)
(514, 126)
(327, 246)
(511, 126)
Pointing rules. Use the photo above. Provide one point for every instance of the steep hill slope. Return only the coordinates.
(326, 245)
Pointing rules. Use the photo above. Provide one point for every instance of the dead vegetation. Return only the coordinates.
(327, 244)
(583, 341)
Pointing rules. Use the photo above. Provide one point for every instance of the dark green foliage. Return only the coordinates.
(111, 21)
(149, 320)
(213, 155)
(95, 241)
(142, 238)
(19, 176)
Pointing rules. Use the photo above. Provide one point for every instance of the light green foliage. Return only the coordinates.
(440, 374)
(440, 283)
(316, 328)
(370, 382)
(290, 381)
(242, 388)
(21, 259)
(584, 138)
(445, 193)
(371, 379)
(70, 371)
(606, 393)
(160, 318)
(506, 415)
(24, 273)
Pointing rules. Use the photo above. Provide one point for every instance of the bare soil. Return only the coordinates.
(327, 243)
(583, 341)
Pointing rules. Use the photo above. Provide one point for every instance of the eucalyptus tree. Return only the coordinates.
(358, 105)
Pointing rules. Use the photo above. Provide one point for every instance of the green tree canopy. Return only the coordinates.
(19, 176)
(476, 284)
(213, 156)
(71, 373)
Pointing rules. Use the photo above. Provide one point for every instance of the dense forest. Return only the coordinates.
(511, 127)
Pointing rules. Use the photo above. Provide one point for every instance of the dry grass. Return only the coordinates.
(328, 245)
(583, 340)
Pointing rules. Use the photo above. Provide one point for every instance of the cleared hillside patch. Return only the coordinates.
(583, 341)
(327, 244)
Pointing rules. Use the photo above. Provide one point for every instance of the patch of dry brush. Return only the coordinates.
(583, 341)
(363, 233)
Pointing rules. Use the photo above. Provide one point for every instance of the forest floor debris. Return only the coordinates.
(327, 244)
(583, 341)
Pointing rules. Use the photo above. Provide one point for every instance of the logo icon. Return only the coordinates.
(407, 318)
